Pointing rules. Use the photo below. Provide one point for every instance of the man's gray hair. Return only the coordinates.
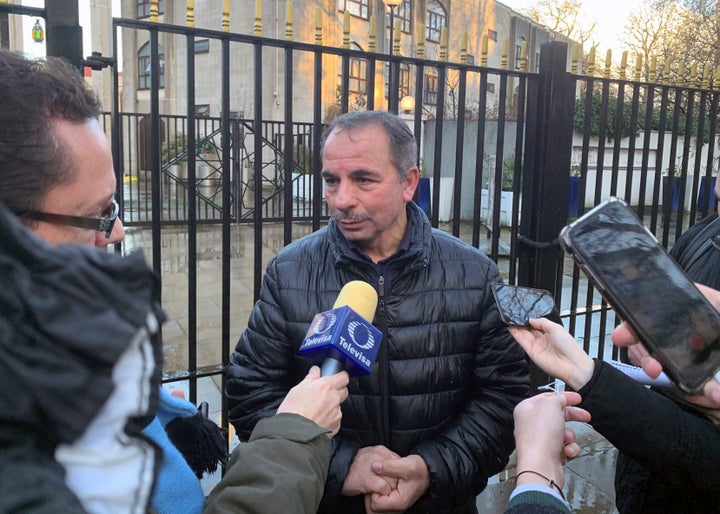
(403, 147)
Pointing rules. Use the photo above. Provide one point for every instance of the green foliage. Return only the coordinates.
(205, 146)
(673, 170)
(508, 172)
(625, 130)
(595, 116)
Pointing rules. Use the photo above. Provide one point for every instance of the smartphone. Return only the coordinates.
(648, 290)
(517, 304)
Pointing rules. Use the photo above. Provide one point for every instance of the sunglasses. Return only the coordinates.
(103, 224)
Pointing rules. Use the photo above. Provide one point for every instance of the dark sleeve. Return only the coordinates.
(668, 439)
(536, 502)
(477, 442)
(282, 468)
(259, 374)
(343, 454)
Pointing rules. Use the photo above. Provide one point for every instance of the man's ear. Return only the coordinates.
(410, 183)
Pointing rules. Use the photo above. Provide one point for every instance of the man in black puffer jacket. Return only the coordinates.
(430, 424)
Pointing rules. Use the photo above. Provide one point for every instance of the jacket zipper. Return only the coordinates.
(384, 366)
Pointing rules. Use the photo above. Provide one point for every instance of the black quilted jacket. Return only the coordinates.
(447, 376)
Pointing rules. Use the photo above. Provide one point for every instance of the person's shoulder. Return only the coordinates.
(446, 244)
(692, 232)
(309, 243)
(707, 219)
(701, 224)
(447, 240)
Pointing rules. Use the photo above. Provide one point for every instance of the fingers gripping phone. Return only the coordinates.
(648, 290)
(517, 304)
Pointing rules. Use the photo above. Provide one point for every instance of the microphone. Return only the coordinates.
(344, 337)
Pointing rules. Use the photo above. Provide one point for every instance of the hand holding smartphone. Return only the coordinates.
(648, 290)
(518, 304)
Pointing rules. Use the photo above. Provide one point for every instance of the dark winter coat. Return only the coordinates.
(670, 453)
(67, 314)
(666, 469)
(698, 251)
(447, 376)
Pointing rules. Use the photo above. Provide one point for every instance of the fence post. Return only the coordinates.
(4, 29)
(546, 175)
(64, 33)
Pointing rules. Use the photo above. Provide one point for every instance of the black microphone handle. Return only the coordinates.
(334, 363)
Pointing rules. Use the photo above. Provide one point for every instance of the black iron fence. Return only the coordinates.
(656, 146)
(510, 158)
(257, 160)
(208, 185)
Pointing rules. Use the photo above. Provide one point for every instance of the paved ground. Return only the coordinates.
(589, 486)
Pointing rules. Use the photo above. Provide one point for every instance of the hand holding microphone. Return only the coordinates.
(318, 399)
(344, 338)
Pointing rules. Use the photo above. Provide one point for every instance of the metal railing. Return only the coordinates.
(523, 132)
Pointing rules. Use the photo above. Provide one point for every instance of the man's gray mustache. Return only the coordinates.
(349, 216)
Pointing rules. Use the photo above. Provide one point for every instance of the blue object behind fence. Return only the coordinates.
(424, 195)
(706, 195)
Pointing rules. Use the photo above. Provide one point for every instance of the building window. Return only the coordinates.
(492, 34)
(470, 59)
(357, 80)
(359, 8)
(430, 90)
(404, 80)
(143, 58)
(403, 14)
(436, 20)
(202, 111)
(490, 87)
(202, 46)
(143, 8)
(518, 50)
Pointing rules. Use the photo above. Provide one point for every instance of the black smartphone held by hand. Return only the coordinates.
(518, 304)
(648, 290)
